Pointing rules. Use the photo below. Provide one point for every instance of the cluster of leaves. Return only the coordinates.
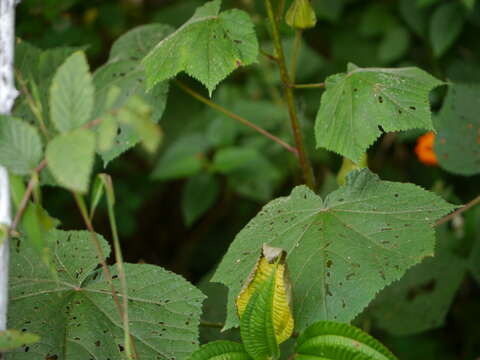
(365, 241)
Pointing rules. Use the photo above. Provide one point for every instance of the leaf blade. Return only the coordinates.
(71, 94)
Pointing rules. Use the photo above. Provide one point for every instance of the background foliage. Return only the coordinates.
(182, 206)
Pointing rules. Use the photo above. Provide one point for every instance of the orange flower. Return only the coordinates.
(424, 149)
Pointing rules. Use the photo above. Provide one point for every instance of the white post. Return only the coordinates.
(8, 93)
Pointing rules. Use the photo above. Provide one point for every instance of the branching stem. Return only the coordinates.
(290, 98)
(235, 117)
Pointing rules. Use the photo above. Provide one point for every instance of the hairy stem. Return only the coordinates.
(290, 98)
(235, 117)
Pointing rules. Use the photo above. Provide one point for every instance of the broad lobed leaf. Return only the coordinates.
(208, 47)
(421, 299)
(357, 103)
(76, 316)
(340, 251)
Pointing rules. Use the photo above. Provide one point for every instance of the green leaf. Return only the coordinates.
(199, 194)
(232, 158)
(35, 222)
(470, 4)
(356, 241)
(70, 158)
(355, 104)
(76, 316)
(37, 68)
(71, 94)
(183, 158)
(327, 340)
(20, 145)
(394, 44)
(256, 326)
(224, 350)
(208, 47)
(445, 26)
(457, 143)
(415, 17)
(421, 299)
(377, 20)
(330, 10)
(125, 72)
(136, 43)
(256, 179)
(11, 339)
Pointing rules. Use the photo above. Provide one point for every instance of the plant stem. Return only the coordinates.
(280, 10)
(297, 133)
(464, 208)
(268, 56)
(235, 117)
(210, 324)
(32, 104)
(308, 86)
(26, 197)
(129, 344)
(296, 53)
(83, 211)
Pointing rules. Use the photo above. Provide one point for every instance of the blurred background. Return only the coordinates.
(181, 207)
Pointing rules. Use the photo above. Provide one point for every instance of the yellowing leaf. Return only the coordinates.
(272, 259)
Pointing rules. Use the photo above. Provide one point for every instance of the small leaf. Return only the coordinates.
(208, 47)
(356, 241)
(70, 159)
(20, 145)
(71, 94)
(12, 339)
(233, 158)
(357, 103)
(126, 78)
(394, 44)
(457, 143)
(415, 17)
(199, 194)
(183, 158)
(336, 341)
(445, 26)
(224, 350)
